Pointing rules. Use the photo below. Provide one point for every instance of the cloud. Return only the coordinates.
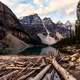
(70, 11)
(59, 5)
(67, 7)
(24, 10)
(53, 6)
(38, 2)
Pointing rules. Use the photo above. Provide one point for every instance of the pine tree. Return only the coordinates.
(77, 25)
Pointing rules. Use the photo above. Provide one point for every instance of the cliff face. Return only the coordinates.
(11, 31)
(56, 27)
(10, 24)
(7, 18)
(8, 21)
(33, 24)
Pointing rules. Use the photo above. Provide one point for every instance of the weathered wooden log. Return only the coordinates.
(65, 74)
(8, 75)
(41, 74)
(25, 76)
(21, 68)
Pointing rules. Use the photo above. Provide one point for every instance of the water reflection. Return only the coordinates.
(40, 51)
(48, 50)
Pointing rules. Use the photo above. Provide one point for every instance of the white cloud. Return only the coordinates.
(24, 10)
(59, 5)
(66, 6)
(70, 11)
(38, 2)
(53, 6)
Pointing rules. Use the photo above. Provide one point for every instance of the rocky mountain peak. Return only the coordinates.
(47, 20)
(32, 19)
(68, 23)
(59, 23)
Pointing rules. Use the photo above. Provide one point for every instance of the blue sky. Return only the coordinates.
(55, 9)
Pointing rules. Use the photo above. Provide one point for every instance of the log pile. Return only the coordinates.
(72, 64)
(31, 68)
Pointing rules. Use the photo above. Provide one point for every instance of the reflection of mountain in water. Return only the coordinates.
(40, 51)
(48, 50)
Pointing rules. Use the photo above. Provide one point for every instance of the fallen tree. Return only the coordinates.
(64, 73)
(40, 75)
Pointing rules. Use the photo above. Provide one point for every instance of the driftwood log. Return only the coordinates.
(41, 74)
(65, 74)
(30, 68)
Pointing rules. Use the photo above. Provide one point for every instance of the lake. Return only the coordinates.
(40, 51)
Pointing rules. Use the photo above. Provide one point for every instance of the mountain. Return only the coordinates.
(60, 24)
(28, 28)
(9, 23)
(64, 28)
(51, 26)
(34, 25)
(56, 27)
(15, 45)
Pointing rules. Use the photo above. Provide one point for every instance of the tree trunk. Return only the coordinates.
(65, 74)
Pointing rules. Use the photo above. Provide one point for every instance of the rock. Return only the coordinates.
(33, 24)
(56, 27)
(15, 44)
(8, 21)
(10, 24)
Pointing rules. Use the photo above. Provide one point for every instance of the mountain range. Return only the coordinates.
(27, 28)
(33, 24)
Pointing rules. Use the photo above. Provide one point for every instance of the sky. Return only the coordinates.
(57, 10)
